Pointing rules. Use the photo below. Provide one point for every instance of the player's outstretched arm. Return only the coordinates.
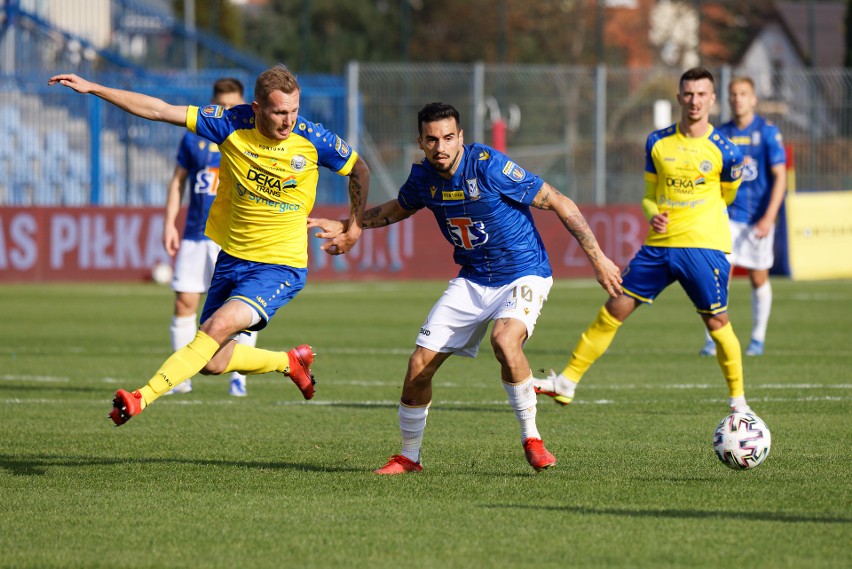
(143, 106)
(606, 272)
(379, 216)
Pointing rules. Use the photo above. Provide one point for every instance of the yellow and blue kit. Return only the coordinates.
(693, 179)
(267, 187)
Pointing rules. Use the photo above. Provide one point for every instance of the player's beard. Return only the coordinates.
(444, 167)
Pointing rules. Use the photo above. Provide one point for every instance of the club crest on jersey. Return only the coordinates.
(755, 137)
(298, 163)
(513, 171)
(472, 189)
(212, 111)
(341, 147)
(706, 166)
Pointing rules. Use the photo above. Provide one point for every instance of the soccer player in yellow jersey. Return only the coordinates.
(692, 173)
(270, 159)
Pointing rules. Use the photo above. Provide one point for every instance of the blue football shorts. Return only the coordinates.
(703, 274)
(264, 287)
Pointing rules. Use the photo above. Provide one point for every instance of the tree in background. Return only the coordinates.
(220, 18)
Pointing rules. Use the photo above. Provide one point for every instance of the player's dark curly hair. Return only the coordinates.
(436, 112)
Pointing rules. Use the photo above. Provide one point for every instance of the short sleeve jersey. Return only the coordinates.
(690, 174)
(762, 147)
(267, 187)
(484, 212)
(200, 158)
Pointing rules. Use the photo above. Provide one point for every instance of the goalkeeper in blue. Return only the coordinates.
(481, 201)
(753, 212)
(692, 173)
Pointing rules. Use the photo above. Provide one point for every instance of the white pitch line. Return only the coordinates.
(37, 378)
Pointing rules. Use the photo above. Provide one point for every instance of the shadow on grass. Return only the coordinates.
(681, 514)
(38, 465)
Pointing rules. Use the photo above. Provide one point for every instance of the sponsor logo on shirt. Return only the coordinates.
(484, 155)
(467, 233)
(749, 169)
(452, 195)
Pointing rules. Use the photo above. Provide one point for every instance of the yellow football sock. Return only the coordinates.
(730, 357)
(593, 343)
(248, 360)
(180, 366)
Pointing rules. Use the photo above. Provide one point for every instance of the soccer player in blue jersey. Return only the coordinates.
(692, 173)
(194, 253)
(270, 160)
(481, 201)
(753, 212)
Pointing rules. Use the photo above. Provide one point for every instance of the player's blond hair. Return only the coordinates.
(277, 78)
(742, 79)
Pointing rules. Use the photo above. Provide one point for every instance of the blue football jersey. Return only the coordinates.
(484, 212)
(763, 148)
(200, 158)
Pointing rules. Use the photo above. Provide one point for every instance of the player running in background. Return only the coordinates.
(481, 201)
(691, 173)
(195, 254)
(267, 187)
(753, 212)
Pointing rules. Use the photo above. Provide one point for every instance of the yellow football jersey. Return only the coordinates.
(690, 178)
(267, 187)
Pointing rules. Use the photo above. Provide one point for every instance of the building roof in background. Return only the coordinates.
(828, 20)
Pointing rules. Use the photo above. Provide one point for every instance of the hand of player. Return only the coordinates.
(171, 240)
(334, 231)
(343, 243)
(762, 228)
(609, 277)
(660, 222)
(72, 81)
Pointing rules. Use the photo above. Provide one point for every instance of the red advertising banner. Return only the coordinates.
(124, 244)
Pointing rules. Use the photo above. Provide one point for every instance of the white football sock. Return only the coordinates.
(522, 399)
(738, 404)
(412, 423)
(182, 331)
(761, 305)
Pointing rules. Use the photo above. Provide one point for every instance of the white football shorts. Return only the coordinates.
(459, 320)
(747, 250)
(194, 265)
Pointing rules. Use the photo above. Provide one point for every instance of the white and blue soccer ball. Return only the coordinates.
(162, 273)
(742, 440)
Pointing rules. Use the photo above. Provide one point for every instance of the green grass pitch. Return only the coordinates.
(208, 480)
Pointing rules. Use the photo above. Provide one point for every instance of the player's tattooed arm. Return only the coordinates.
(386, 214)
(606, 272)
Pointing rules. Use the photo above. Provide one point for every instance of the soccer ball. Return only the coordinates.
(161, 273)
(742, 440)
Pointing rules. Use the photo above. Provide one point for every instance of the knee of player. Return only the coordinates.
(212, 369)
(506, 345)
